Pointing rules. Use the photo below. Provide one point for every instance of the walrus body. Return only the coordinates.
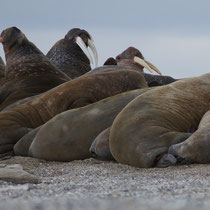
(28, 71)
(144, 130)
(196, 148)
(125, 61)
(67, 55)
(79, 92)
(100, 147)
(68, 136)
(2, 69)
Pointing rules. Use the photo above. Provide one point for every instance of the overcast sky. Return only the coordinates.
(173, 35)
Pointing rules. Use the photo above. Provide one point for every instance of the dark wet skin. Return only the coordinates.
(28, 71)
(2, 68)
(68, 56)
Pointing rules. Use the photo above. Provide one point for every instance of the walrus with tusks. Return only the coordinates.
(132, 59)
(79, 92)
(68, 135)
(145, 129)
(68, 55)
(28, 71)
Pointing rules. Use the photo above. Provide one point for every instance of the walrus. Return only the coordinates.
(144, 130)
(68, 135)
(28, 71)
(68, 55)
(132, 59)
(2, 68)
(99, 149)
(16, 122)
(195, 149)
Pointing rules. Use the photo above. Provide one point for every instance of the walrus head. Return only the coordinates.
(11, 38)
(83, 39)
(133, 57)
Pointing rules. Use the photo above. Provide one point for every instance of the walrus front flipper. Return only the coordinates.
(100, 146)
(166, 160)
(22, 146)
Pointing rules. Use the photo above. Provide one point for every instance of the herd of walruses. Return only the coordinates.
(56, 107)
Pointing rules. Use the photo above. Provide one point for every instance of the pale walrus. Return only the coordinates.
(79, 92)
(68, 136)
(144, 130)
(132, 59)
(68, 56)
(28, 71)
(196, 148)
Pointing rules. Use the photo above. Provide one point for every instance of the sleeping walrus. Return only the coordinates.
(145, 129)
(79, 92)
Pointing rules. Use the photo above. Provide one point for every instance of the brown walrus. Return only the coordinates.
(196, 148)
(68, 56)
(28, 71)
(2, 68)
(79, 92)
(144, 130)
(100, 147)
(68, 135)
(132, 59)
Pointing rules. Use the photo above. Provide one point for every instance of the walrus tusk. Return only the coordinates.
(83, 46)
(1, 39)
(95, 53)
(146, 65)
(153, 67)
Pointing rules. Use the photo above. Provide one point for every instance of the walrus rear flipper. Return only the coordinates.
(6, 151)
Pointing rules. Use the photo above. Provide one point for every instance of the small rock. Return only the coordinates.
(16, 174)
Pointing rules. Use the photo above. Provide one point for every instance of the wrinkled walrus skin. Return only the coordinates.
(79, 92)
(28, 71)
(2, 68)
(196, 148)
(144, 130)
(68, 136)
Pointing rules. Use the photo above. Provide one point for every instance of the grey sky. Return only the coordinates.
(173, 35)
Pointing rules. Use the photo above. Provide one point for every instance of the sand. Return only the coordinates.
(94, 184)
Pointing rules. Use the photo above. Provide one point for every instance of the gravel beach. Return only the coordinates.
(94, 184)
